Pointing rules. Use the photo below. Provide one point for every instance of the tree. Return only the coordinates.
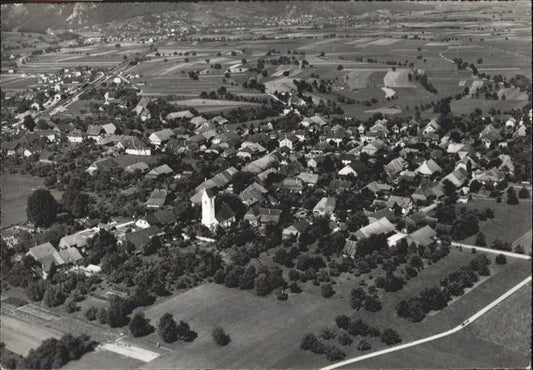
(29, 122)
(42, 208)
(167, 328)
(117, 313)
(511, 196)
(185, 333)
(501, 259)
(334, 353)
(53, 296)
(390, 336)
(35, 291)
(140, 326)
(220, 337)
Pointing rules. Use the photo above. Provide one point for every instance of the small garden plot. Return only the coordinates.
(386, 110)
(358, 79)
(20, 336)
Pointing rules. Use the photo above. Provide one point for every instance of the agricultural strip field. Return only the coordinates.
(210, 105)
(20, 336)
(501, 338)
(253, 321)
(101, 359)
(510, 222)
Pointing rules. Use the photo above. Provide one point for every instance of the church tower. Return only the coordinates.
(208, 209)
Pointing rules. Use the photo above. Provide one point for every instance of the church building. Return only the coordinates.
(212, 217)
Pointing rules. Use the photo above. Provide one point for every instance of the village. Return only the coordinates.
(122, 204)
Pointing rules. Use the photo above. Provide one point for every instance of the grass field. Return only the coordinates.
(253, 321)
(500, 339)
(21, 336)
(510, 222)
(16, 189)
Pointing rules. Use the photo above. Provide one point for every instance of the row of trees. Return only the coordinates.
(436, 298)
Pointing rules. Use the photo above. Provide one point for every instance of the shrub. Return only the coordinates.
(363, 346)
(334, 353)
(91, 313)
(390, 336)
(343, 321)
(327, 290)
(308, 341)
(328, 333)
(220, 337)
(500, 259)
(344, 339)
(295, 288)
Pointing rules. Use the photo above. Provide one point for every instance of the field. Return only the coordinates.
(21, 336)
(510, 222)
(209, 105)
(501, 338)
(253, 321)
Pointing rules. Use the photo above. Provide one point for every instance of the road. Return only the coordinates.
(494, 251)
(465, 323)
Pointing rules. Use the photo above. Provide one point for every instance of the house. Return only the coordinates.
(431, 128)
(507, 165)
(161, 218)
(102, 165)
(134, 146)
(75, 136)
(379, 214)
(254, 193)
(70, 255)
(184, 114)
(428, 168)
(424, 236)
(376, 187)
(347, 170)
(381, 226)
(110, 129)
(11, 148)
(47, 256)
(490, 137)
(287, 140)
(296, 229)
(292, 184)
(458, 177)
(161, 137)
(95, 132)
(373, 147)
(163, 170)
(309, 179)
(141, 238)
(157, 198)
(219, 120)
(77, 240)
(325, 206)
(260, 216)
(395, 166)
(428, 191)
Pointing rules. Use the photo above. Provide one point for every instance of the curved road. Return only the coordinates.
(465, 323)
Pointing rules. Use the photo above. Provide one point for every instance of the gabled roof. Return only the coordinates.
(70, 255)
(396, 165)
(381, 226)
(162, 135)
(224, 213)
(326, 205)
(160, 170)
(46, 255)
(423, 236)
(94, 130)
(429, 167)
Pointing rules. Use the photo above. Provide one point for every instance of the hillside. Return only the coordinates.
(39, 17)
